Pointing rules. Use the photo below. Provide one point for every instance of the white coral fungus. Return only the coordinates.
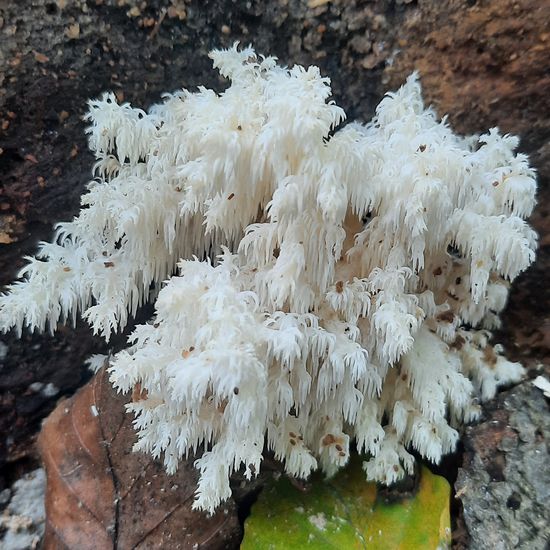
(334, 283)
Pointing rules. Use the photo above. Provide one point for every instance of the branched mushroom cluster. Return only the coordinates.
(315, 282)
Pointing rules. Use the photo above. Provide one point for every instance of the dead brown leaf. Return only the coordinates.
(101, 495)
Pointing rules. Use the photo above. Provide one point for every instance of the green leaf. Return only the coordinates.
(344, 513)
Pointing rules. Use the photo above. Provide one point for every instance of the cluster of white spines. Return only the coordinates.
(316, 300)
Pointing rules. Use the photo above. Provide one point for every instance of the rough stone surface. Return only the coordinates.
(22, 522)
(504, 483)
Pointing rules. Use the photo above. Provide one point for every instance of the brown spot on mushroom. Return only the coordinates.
(292, 434)
(446, 316)
(230, 196)
(339, 287)
(459, 342)
(236, 391)
(490, 355)
(422, 148)
(109, 264)
(437, 271)
(138, 393)
(495, 183)
(342, 454)
(338, 447)
(329, 439)
(293, 442)
(66, 269)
